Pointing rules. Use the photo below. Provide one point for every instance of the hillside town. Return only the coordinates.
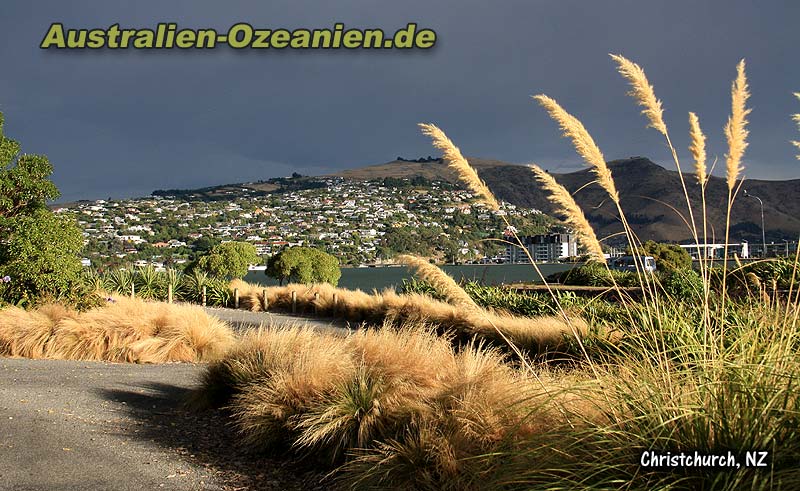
(361, 222)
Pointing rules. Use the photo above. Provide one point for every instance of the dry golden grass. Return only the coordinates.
(274, 376)
(531, 334)
(457, 162)
(736, 128)
(409, 410)
(643, 92)
(123, 331)
(697, 148)
(573, 214)
(328, 395)
(440, 280)
(583, 142)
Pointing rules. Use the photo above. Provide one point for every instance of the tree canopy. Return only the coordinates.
(669, 257)
(304, 265)
(38, 249)
(229, 259)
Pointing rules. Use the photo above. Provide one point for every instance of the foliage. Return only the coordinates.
(149, 284)
(39, 255)
(229, 260)
(595, 274)
(669, 257)
(38, 250)
(304, 265)
(685, 284)
(154, 285)
(749, 278)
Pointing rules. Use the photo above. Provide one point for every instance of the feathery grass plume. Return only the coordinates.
(796, 118)
(736, 128)
(642, 91)
(457, 162)
(698, 149)
(439, 279)
(582, 141)
(573, 213)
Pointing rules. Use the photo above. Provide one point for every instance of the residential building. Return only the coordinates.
(542, 248)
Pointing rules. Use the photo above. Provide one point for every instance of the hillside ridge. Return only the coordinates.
(650, 195)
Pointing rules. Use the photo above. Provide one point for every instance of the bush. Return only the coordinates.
(304, 265)
(38, 250)
(229, 260)
(669, 257)
(595, 274)
(684, 284)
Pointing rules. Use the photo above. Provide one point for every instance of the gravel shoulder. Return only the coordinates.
(107, 426)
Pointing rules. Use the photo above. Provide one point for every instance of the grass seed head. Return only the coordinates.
(697, 147)
(439, 279)
(567, 206)
(736, 128)
(796, 118)
(582, 141)
(457, 162)
(643, 92)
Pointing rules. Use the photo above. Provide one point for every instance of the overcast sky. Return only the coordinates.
(123, 123)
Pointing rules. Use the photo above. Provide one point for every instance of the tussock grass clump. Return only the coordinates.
(124, 330)
(530, 334)
(381, 400)
(738, 394)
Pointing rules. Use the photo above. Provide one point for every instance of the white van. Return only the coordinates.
(628, 263)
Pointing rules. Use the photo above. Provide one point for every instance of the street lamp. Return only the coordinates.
(763, 232)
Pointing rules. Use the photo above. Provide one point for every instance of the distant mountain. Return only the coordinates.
(650, 196)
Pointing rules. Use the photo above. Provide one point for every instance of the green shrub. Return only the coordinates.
(683, 284)
(229, 260)
(595, 274)
(38, 249)
(304, 265)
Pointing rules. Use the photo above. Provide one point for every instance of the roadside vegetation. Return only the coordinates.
(705, 362)
(450, 386)
(123, 330)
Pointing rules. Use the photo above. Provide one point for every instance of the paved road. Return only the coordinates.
(244, 319)
(105, 426)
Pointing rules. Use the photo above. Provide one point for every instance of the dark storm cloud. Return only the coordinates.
(125, 123)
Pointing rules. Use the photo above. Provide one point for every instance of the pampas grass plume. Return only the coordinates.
(573, 213)
(440, 280)
(582, 141)
(457, 162)
(736, 128)
(642, 91)
(697, 147)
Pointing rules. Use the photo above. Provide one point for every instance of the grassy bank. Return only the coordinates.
(123, 330)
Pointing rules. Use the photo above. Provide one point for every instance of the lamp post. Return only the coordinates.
(763, 232)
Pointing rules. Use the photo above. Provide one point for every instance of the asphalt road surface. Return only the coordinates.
(244, 319)
(105, 426)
